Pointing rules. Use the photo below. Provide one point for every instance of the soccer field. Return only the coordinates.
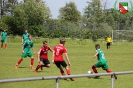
(119, 57)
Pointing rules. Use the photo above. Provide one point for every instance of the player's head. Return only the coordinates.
(30, 37)
(4, 30)
(45, 43)
(97, 46)
(62, 41)
(26, 31)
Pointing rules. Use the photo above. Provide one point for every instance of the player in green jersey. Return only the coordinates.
(26, 46)
(102, 62)
(3, 39)
(25, 36)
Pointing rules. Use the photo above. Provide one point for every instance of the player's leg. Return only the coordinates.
(21, 59)
(105, 66)
(63, 63)
(94, 69)
(2, 43)
(46, 63)
(32, 63)
(97, 65)
(59, 66)
(109, 71)
(39, 66)
(5, 43)
(107, 45)
(32, 60)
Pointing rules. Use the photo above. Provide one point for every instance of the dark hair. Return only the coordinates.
(97, 46)
(62, 41)
(44, 42)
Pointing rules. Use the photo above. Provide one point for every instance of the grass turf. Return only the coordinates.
(119, 58)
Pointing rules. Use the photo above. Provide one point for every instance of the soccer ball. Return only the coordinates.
(89, 72)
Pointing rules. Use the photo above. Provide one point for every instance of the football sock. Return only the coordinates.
(62, 72)
(19, 61)
(94, 69)
(38, 67)
(68, 71)
(1, 45)
(5, 45)
(32, 61)
(108, 70)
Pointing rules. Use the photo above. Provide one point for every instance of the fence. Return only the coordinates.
(67, 76)
(122, 35)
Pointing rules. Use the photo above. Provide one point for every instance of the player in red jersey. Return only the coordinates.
(58, 58)
(43, 56)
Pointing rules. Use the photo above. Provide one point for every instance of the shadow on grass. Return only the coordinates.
(94, 78)
(22, 67)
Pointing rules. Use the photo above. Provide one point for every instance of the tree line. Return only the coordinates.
(97, 21)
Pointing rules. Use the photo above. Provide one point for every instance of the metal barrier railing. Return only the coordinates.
(67, 76)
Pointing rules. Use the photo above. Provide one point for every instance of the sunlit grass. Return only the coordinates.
(120, 58)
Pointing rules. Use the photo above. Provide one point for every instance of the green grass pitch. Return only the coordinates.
(119, 57)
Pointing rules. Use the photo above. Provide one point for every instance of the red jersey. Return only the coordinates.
(43, 52)
(59, 50)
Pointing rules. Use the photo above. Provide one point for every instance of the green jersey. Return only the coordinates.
(100, 55)
(27, 45)
(25, 36)
(3, 35)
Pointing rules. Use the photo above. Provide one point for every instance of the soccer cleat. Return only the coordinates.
(15, 66)
(31, 67)
(96, 77)
(72, 79)
(115, 77)
(65, 78)
(35, 71)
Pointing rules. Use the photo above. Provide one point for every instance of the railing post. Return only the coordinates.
(57, 83)
(112, 81)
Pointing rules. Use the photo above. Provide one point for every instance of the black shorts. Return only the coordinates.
(60, 63)
(108, 44)
(45, 61)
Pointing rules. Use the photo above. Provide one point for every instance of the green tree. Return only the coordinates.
(70, 13)
(36, 12)
(6, 7)
(30, 15)
(3, 25)
(93, 12)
